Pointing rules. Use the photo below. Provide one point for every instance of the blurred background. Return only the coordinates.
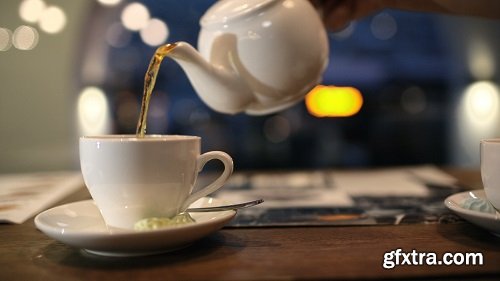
(428, 84)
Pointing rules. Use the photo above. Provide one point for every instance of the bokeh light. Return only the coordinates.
(93, 112)
(413, 100)
(332, 101)
(5, 39)
(481, 100)
(477, 117)
(383, 26)
(155, 33)
(481, 60)
(52, 20)
(277, 129)
(117, 36)
(135, 16)
(25, 38)
(109, 2)
(31, 10)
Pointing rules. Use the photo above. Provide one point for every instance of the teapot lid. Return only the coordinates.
(225, 10)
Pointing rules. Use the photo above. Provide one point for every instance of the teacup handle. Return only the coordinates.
(218, 183)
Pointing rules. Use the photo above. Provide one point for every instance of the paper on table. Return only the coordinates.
(24, 195)
(407, 181)
(340, 197)
(282, 190)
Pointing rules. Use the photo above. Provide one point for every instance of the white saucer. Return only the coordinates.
(489, 221)
(80, 225)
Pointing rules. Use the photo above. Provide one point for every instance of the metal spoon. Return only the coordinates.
(227, 207)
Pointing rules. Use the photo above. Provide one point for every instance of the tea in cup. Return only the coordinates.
(131, 178)
(490, 170)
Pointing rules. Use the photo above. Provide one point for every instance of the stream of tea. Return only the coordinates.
(149, 84)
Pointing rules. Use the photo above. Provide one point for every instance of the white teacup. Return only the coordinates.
(490, 170)
(133, 178)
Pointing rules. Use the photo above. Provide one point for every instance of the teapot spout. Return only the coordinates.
(219, 87)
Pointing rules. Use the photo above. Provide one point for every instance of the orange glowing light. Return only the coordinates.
(332, 101)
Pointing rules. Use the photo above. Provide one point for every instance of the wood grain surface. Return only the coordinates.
(287, 253)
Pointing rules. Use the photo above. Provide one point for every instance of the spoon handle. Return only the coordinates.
(227, 207)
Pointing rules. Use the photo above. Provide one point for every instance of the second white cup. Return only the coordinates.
(490, 170)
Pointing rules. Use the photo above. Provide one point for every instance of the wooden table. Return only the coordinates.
(308, 253)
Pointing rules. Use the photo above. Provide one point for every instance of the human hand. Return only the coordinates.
(337, 14)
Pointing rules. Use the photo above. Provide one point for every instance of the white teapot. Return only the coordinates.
(255, 56)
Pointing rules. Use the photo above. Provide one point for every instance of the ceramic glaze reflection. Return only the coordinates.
(131, 178)
(257, 56)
